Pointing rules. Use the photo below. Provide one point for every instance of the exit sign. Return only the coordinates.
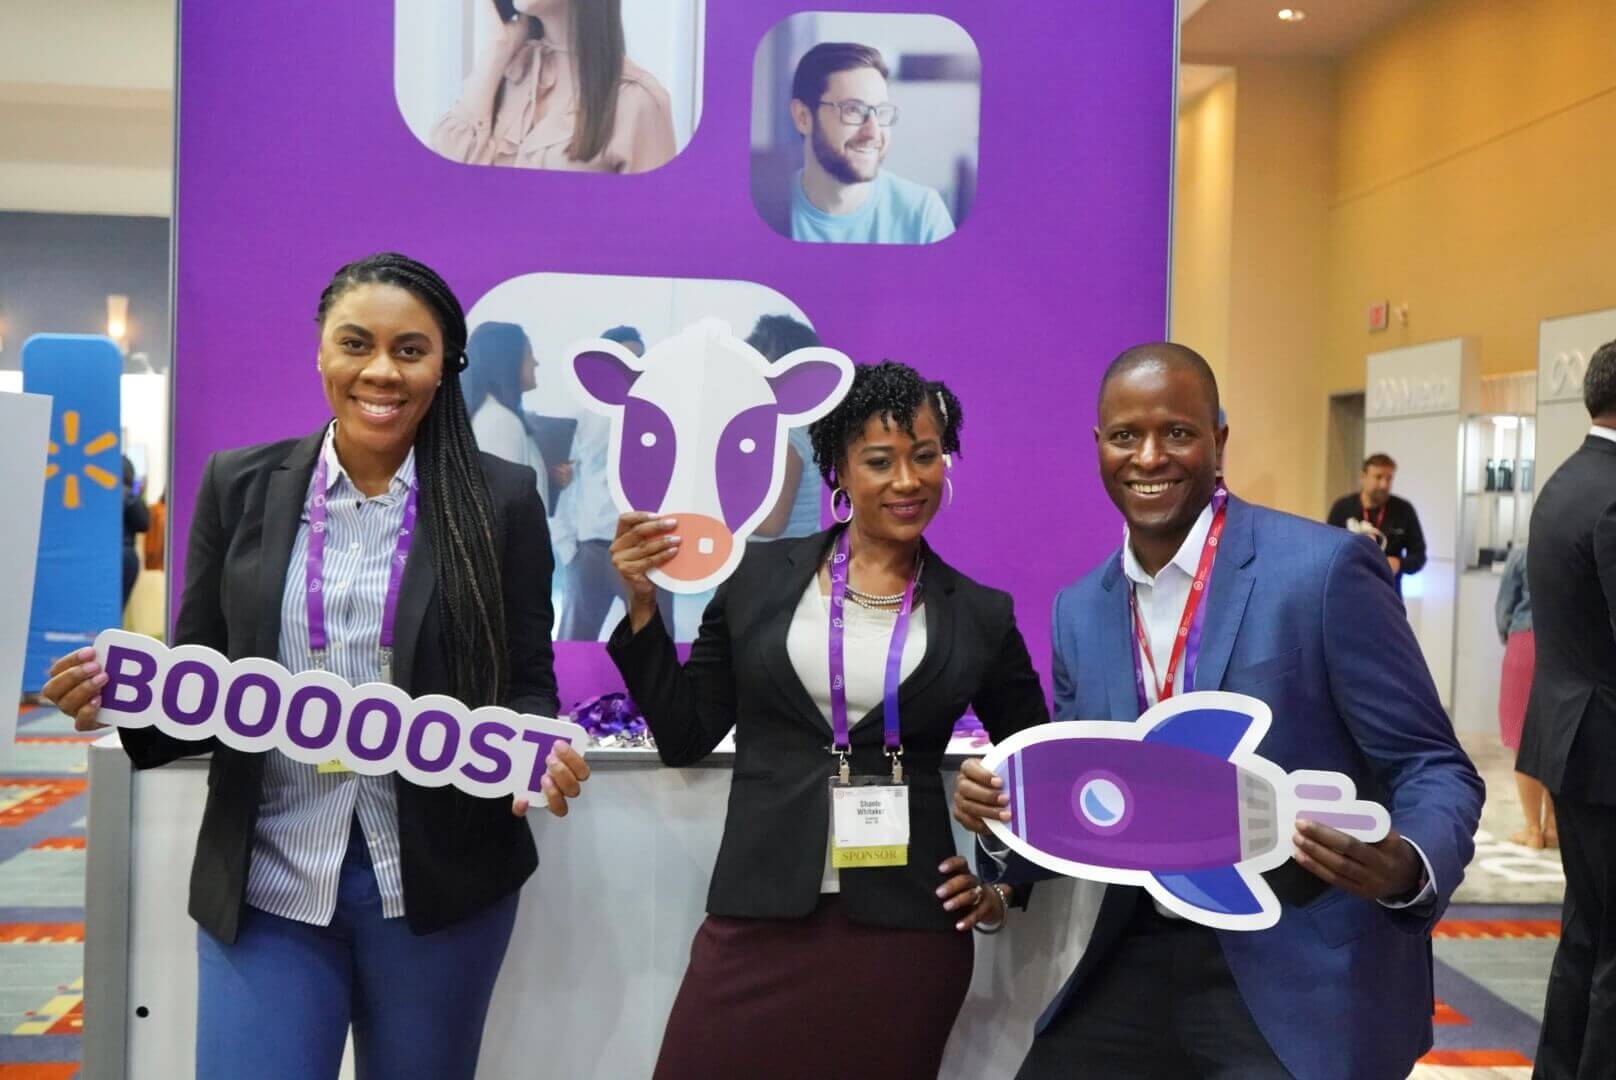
(1378, 315)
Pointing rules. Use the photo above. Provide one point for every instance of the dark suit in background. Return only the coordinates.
(1569, 743)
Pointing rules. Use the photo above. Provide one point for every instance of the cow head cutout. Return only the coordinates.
(699, 434)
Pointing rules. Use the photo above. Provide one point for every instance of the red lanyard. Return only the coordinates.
(1376, 522)
(1192, 606)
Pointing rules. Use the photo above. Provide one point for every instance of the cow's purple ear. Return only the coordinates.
(804, 383)
(603, 376)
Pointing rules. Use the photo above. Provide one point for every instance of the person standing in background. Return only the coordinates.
(1386, 519)
(797, 511)
(499, 369)
(1513, 612)
(1569, 739)
(136, 520)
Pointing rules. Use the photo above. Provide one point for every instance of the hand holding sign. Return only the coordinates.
(75, 688)
(1180, 803)
(193, 693)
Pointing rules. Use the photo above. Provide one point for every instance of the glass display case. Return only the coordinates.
(1499, 482)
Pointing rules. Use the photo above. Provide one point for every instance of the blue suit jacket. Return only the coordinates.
(1305, 618)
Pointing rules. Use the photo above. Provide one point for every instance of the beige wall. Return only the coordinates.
(1249, 268)
(1203, 194)
(1283, 166)
(1460, 163)
(1476, 146)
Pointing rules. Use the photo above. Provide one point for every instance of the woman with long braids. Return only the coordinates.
(842, 660)
(327, 899)
(553, 88)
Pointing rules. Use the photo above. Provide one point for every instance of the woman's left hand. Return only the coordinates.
(962, 892)
(564, 774)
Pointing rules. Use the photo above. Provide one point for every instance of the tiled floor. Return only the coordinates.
(1502, 872)
(1492, 957)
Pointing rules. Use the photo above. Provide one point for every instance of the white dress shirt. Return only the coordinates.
(1603, 432)
(869, 636)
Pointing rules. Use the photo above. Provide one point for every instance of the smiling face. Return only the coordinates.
(381, 358)
(1160, 448)
(895, 480)
(852, 153)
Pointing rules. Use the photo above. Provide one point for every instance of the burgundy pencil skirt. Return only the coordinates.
(818, 997)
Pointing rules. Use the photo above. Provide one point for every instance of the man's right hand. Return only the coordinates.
(979, 795)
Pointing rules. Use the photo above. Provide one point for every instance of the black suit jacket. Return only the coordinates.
(740, 674)
(1569, 740)
(459, 853)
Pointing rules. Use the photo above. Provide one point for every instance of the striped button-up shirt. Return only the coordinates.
(305, 816)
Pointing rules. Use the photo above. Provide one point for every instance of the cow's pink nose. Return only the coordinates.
(705, 543)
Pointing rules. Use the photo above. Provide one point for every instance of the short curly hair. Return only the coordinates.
(896, 393)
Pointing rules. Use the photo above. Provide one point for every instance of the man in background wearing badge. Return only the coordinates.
(1383, 517)
(1301, 617)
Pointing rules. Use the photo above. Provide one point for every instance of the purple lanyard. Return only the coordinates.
(1195, 613)
(314, 574)
(840, 745)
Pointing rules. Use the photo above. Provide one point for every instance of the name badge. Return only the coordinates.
(332, 766)
(869, 823)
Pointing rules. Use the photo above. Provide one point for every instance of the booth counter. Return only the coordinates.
(601, 940)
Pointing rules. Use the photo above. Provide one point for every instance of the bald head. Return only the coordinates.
(1165, 356)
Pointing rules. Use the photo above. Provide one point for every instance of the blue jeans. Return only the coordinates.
(278, 1003)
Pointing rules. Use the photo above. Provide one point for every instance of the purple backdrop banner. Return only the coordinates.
(294, 158)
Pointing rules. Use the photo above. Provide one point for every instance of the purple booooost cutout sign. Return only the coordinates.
(293, 159)
(194, 693)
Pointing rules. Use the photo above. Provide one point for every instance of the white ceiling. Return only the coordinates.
(86, 105)
(1225, 30)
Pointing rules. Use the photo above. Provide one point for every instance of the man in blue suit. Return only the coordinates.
(1305, 618)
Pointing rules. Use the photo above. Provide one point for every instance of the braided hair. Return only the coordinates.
(458, 509)
(896, 393)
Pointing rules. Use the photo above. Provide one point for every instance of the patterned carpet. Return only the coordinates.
(42, 805)
(1492, 959)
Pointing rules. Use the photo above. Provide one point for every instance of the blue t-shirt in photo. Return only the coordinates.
(898, 211)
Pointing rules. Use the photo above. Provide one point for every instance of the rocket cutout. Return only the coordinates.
(1178, 802)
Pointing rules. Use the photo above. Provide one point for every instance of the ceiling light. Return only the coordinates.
(1292, 15)
(117, 317)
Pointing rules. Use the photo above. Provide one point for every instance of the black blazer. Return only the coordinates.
(739, 673)
(1569, 740)
(459, 853)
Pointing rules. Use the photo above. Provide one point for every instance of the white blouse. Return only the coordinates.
(869, 634)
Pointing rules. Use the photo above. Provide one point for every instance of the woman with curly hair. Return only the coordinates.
(843, 660)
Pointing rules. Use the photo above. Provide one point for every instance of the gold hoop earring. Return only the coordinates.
(835, 510)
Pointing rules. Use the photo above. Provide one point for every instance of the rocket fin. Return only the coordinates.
(1215, 731)
(1219, 891)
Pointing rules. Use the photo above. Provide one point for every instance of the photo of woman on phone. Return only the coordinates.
(552, 87)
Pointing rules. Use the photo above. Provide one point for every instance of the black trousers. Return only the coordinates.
(1578, 1039)
(1163, 1004)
